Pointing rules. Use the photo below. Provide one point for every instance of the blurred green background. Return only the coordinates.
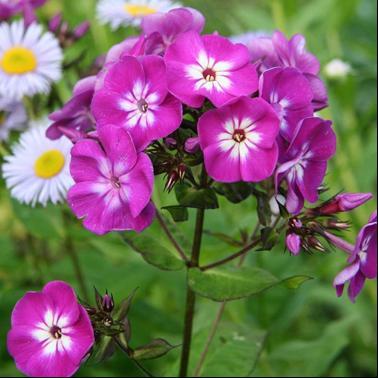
(307, 332)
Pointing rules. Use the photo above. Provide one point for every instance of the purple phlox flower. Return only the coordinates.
(114, 183)
(13, 116)
(51, 332)
(134, 96)
(9, 8)
(261, 49)
(239, 141)
(131, 46)
(363, 261)
(192, 145)
(75, 118)
(162, 29)
(290, 94)
(293, 243)
(209, 67)
(344, 202)
(304, 164)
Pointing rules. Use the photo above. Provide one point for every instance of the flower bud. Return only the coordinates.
(181, 170)
(81, 30)
(294, 243)
(107, 303)
(55, 22)
(171, 143)
(192, 145)
(173, 178)
(344, 202)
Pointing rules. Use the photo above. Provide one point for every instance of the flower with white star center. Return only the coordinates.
(38, 169)
(51, 332)
(239, 141)
(30, 60)
(12, 116)
(130, 12)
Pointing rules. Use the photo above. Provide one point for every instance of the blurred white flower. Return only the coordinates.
(130, 12)
(337, 69)
(38, 171)
(12, 117)
(30, 60)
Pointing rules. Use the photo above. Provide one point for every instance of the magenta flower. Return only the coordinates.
(344, 202)
(51, 332)
(9, 8)
(209, 67)
(290, 94)
(113, 183)
(363, 261)
(131, 46)
(293, 243)
(239, 141)
(134, 96)
(76, 114)
(305, 162)
(162, 29)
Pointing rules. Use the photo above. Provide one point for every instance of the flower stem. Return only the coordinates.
(219, 316)
(191, 296)
(71, 252)
(171, 237)
(127, 352)
(228, 259)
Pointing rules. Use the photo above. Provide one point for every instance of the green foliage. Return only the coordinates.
(227, 284)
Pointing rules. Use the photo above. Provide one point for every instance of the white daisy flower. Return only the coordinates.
(13, 116)
(337, 69)
(30, 60)
(130, 12)
(38, 171)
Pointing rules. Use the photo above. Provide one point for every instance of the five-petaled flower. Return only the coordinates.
(239, 141)
(304, 163)
(134, 95)
(51, 332)
(363, 261)
(292, 106)
(209, 67)
(113, 183)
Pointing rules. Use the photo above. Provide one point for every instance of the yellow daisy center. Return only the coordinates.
(49, 164)
(139, 10)
(18, 60)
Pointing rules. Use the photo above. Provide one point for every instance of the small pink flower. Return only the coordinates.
(304, 163)
(290, 94)
(363, 261)
(209, 67)
(75, 114)
(239, 141)
(162, 29)
(134, 96)
(51, 332)
(113, 183)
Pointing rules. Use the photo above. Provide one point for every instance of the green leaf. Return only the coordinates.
(41, 222)
(154, 253)
(230, 283)
(103, 350)
(196, 198)
(178, 213)
(235, 193)
(155, 349)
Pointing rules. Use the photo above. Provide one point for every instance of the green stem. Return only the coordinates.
(71, 253)
(191, 296)
(127, 352)
(170, 236)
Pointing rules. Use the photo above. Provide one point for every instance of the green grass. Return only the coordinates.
(310, 332)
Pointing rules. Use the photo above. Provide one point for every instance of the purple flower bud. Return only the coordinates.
(344, 202)
(181, 170)
(173, 178)
(192, 145)
(108, 303)
(170, 142)
(294, 243)
(55, 22)
(81, 30)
